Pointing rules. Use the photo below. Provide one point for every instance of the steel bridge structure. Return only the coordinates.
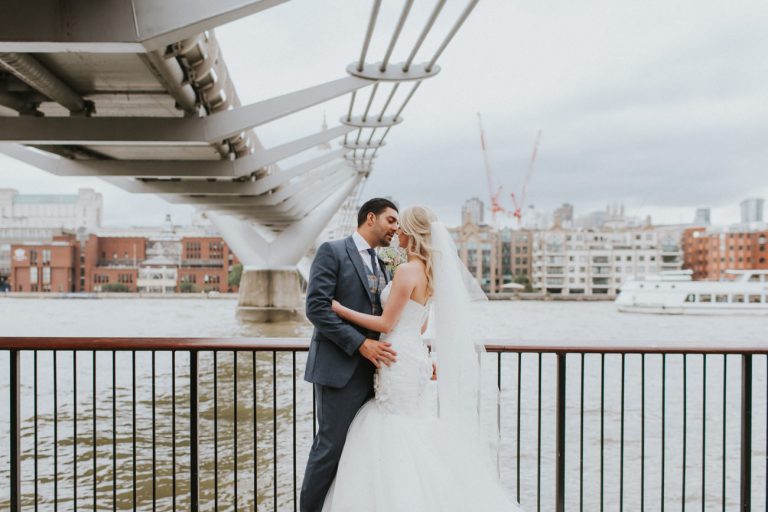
(137, 93)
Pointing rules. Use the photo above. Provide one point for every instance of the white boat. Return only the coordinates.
(674, 293)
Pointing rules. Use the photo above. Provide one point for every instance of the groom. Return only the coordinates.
(343, 357)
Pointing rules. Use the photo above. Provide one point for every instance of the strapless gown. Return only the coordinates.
(399, 456)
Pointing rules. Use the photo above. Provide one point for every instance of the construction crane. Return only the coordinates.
(493, 192)
(518, 211)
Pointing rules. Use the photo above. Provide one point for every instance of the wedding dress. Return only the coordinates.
(399, 455)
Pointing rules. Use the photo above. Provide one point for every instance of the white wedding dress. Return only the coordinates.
(399, 456)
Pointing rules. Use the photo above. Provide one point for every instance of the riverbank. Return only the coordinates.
(548, 296)
(216, 295)
(114, 295)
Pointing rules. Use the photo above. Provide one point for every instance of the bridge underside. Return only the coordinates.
(137, 92)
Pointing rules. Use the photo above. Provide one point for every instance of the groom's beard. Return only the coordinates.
(383, 242)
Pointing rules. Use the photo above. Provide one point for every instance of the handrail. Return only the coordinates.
(158, 344)
(301, 344)
(16, 346)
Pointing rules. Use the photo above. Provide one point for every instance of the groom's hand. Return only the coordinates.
(378, 352)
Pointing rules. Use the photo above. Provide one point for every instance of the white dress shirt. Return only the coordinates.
(362, 248)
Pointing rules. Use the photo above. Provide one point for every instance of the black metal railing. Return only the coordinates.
(223, 424)
(569, 417)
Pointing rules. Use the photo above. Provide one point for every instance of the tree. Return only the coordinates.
(115, 288)
(187, 287)
(235, 274)
(523, 280)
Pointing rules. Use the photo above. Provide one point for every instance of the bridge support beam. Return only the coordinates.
(270, 286)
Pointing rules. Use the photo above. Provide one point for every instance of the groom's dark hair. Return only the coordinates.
(375, 206)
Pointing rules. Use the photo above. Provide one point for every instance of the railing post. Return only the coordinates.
(560, 471)
(194, 435)
(15, 433)
(746, 432)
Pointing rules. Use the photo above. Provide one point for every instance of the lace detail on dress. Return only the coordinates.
(400, 388)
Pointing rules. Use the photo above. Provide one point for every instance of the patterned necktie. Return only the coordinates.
(372, 252)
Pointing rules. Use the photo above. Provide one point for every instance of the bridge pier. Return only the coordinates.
(270, 295)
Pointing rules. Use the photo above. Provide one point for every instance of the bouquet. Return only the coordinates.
(392, 256)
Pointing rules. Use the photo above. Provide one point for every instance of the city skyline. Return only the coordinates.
(182, 216)
(659, 113)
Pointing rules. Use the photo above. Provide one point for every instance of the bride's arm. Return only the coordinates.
(403, 285)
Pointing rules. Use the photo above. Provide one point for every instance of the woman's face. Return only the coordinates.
(402, 239)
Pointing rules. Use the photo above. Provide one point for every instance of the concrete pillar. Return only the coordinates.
(270, 295)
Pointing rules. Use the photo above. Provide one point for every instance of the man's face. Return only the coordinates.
(385, 226)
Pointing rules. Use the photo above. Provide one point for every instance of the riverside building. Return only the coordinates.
(45, 266)
(585, 262)
(494, 257)
(60, 211)
(709, 252)
(473, 211)
(38, 218)
(752, 210)
(479, 249)
(516, 255)
(167, 259)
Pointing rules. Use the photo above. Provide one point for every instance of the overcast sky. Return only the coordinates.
(660, 105)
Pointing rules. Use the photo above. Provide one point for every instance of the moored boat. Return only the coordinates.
(676, 293)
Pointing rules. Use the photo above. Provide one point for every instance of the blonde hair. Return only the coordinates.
(416, 223)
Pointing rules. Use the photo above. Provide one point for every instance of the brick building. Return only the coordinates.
(205, 263)
(495, 257)
(479, 248)
(709, 253)
(516, 254)
(39, 217)
(45, 266)
(158, 264)
(110, 261)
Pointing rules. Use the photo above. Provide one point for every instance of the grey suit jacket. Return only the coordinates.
(337, 273)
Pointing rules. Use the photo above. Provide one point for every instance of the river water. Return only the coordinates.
(712, 435)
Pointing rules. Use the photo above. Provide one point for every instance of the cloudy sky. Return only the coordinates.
(660, 105)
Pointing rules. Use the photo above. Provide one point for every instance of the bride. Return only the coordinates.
(400, 454)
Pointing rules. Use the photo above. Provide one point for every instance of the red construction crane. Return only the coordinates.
(493, 194)
(518, 212)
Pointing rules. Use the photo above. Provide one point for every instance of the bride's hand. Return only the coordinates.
(335, 306)
(434, 371)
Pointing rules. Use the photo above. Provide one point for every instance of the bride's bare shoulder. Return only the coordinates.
(408, 270)
(411, 271)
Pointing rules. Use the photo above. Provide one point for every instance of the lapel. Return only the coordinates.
(357, 262)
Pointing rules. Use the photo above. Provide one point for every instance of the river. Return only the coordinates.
(525, 321)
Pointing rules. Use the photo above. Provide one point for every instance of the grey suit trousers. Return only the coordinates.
(336, 408)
